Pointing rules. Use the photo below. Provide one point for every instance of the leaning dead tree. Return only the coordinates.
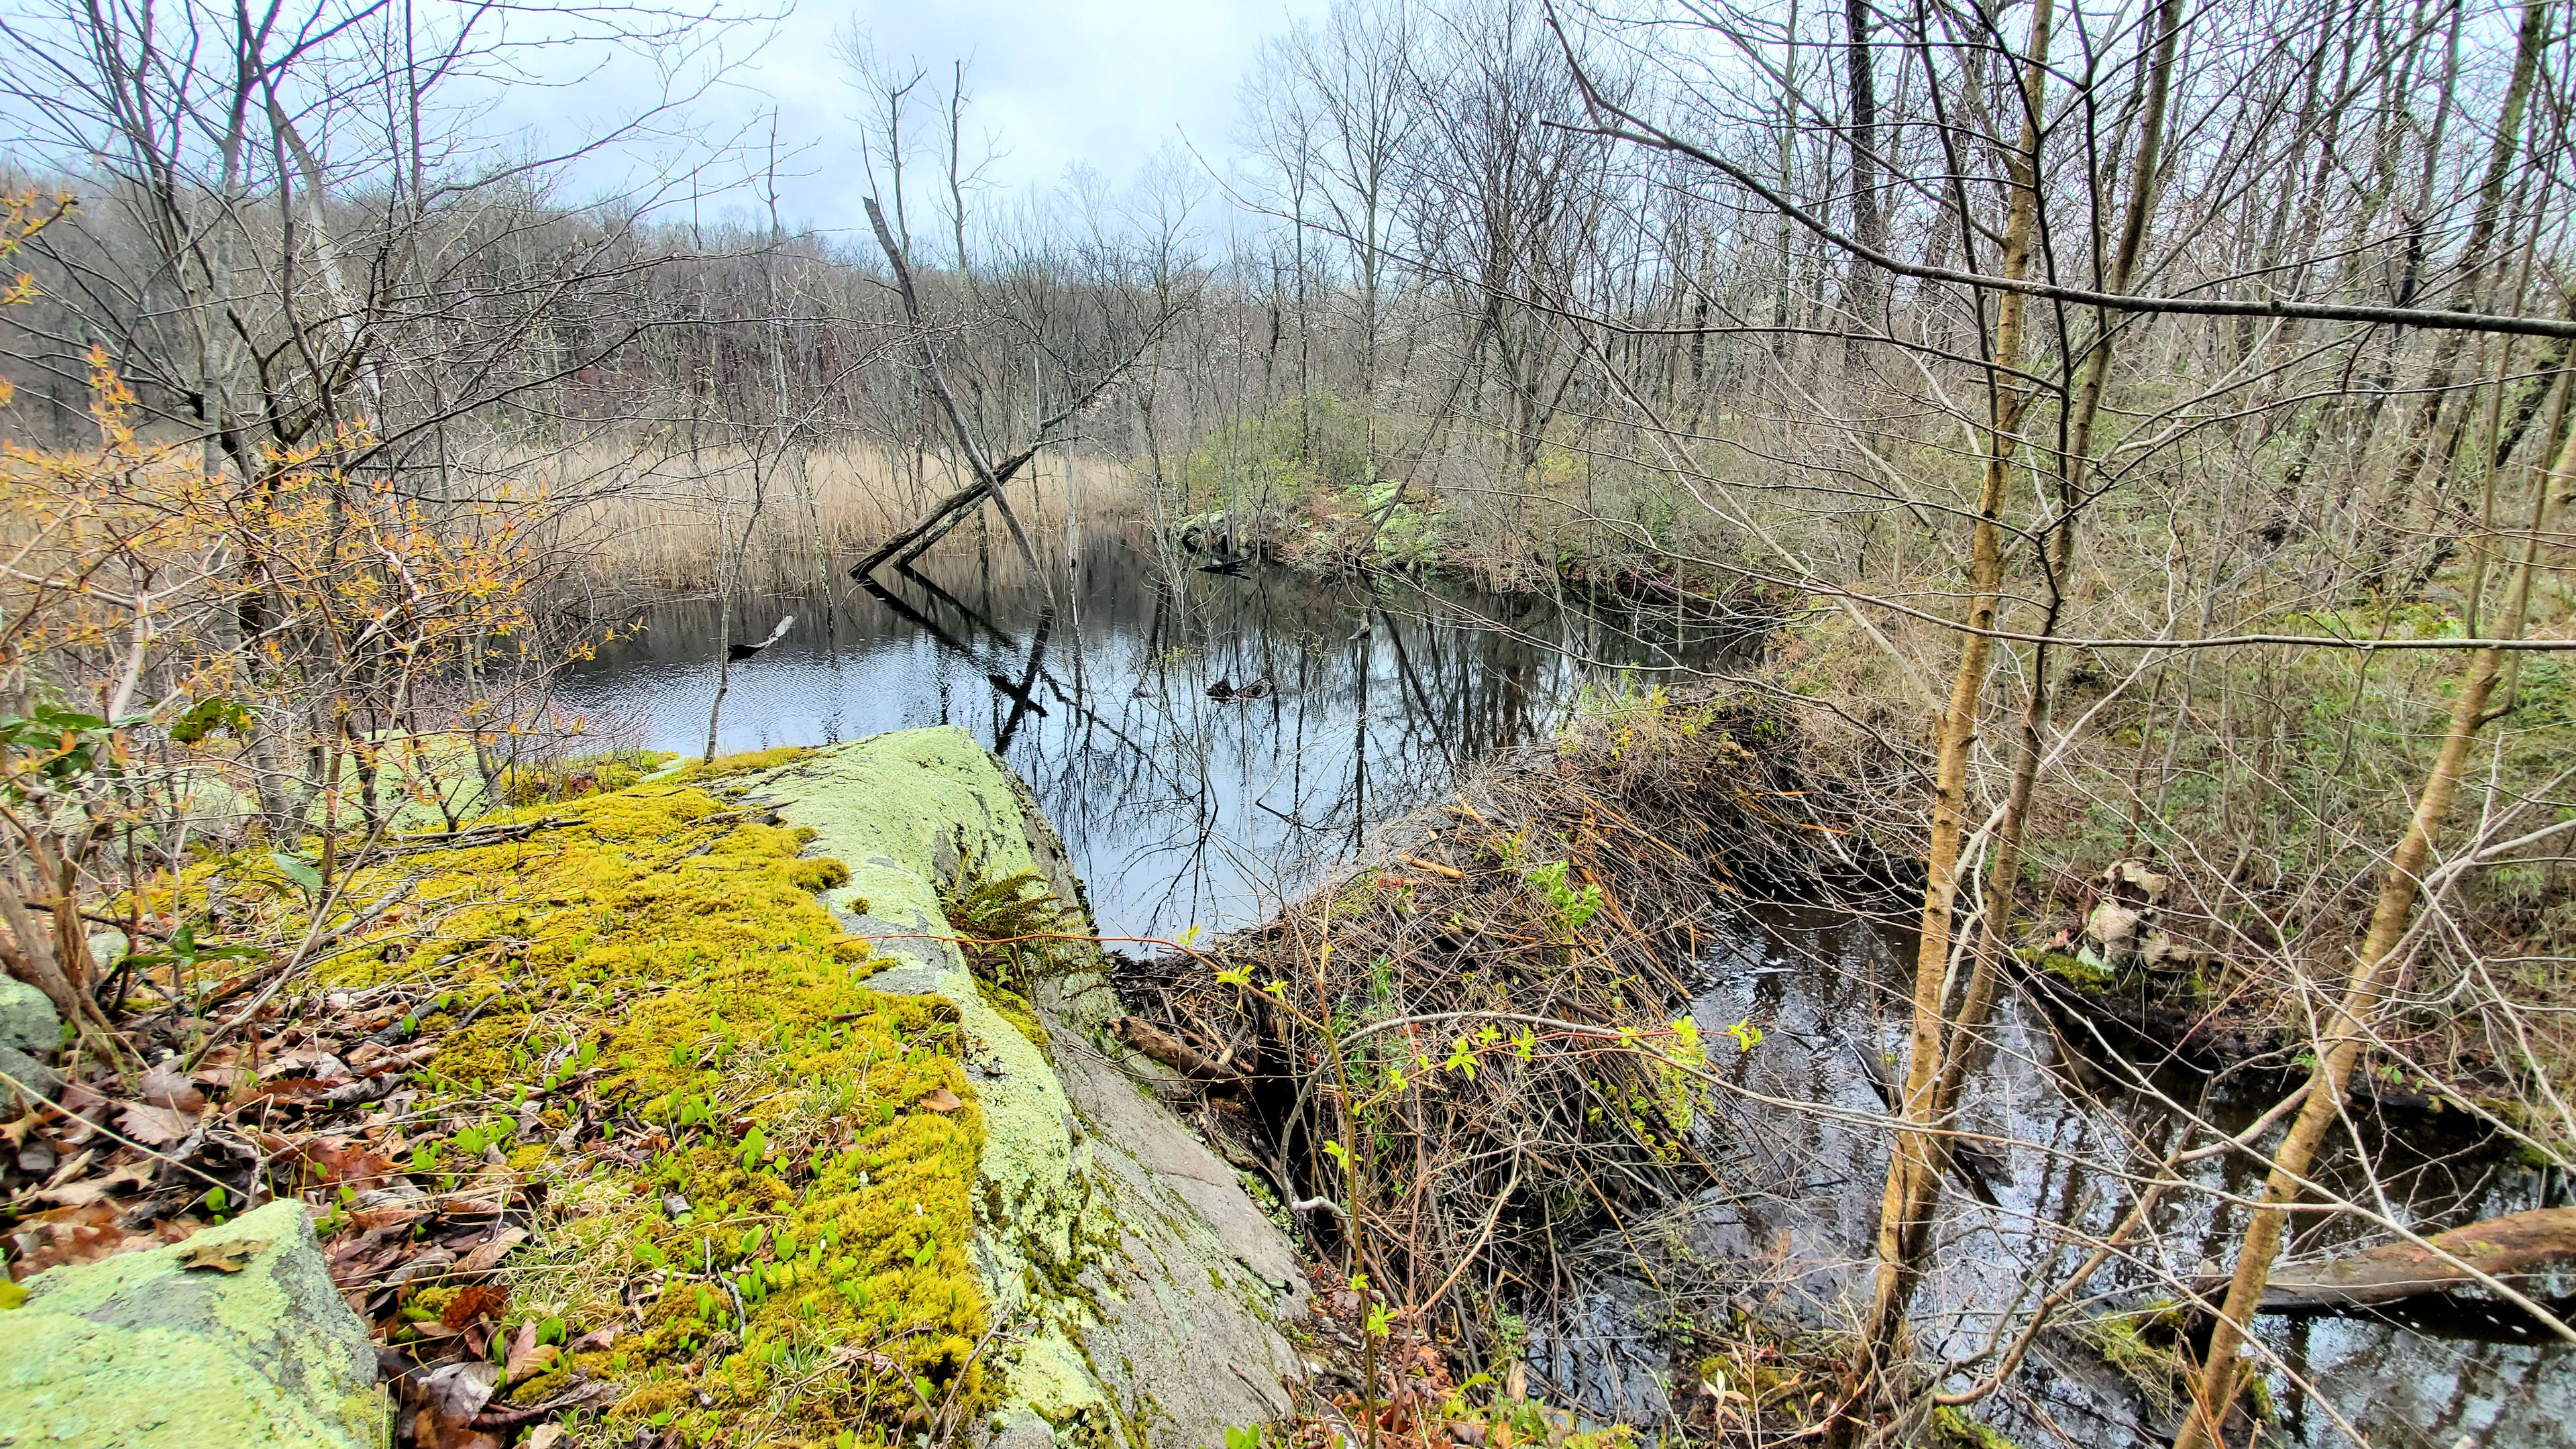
(988, 478)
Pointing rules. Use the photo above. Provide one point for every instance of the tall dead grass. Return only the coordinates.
(669, 523)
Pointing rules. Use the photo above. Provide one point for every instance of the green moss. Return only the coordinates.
(1015, 1009)
(819, 874)
(744, 764)
(2138, 1345)
(2076, 971)
(680, 952)
(1953, 1426)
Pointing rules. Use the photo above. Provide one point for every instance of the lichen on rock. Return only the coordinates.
(144, 1350)
(1124, 1258)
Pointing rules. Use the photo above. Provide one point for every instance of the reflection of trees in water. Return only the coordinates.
(2075, 1136)
(1209, 800)
(1179, 808)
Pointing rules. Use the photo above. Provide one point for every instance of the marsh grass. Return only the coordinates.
(632, 524)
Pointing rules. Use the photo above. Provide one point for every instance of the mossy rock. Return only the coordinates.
(144, 1351)
(1129, 1255)
(672, 958)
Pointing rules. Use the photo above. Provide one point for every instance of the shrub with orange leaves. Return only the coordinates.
(179, 636)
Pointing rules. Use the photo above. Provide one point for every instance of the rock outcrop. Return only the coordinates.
(234, 1337)
(1146, 1289)
(29, 1025)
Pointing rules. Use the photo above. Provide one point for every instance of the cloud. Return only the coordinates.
(1096, 83)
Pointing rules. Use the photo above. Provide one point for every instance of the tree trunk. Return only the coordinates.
(1914, 1165)
(2348, 1028)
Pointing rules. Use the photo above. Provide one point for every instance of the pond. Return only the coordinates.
(1203, 741)
(1208, 742)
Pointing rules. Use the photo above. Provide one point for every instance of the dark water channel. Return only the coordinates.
(1820, 981)
(1185, 810)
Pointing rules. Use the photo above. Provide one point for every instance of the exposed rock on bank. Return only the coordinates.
(1152, 1288)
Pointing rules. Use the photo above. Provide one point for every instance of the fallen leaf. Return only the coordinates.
(548, 1436)
(488, 1255)
(229, 1256)
(304, 1063)
(370, 1219)
(596, 1341)
(130, 1178)
(81, 1234)
(450, 1398)
(154, 1126)
(363, 1092)
(425, 1265)
(942, 1100)
(72, 1167)
(479, 1300)
(398, 1193)
(527, 1356)
(289, 1088)
(339, 1162)
(163, 1086)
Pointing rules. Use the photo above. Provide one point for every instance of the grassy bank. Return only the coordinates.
(1315, 484)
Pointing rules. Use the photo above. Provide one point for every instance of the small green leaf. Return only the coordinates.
(299, 871)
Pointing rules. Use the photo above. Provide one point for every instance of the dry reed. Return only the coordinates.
(671, 524)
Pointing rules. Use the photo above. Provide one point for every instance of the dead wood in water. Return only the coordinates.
(990, 478)
(2516, 1245)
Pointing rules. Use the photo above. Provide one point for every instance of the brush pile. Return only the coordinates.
(1475, 1044)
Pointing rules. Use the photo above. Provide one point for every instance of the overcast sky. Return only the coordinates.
(1051, 83)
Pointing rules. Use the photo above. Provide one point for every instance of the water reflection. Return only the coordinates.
(1350, 706)
(2073, 1139)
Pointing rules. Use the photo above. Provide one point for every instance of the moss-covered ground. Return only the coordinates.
(754, 1170)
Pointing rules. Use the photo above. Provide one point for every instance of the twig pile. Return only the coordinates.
(1467, 1047)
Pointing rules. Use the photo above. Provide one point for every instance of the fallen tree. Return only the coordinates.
(2516, 1245)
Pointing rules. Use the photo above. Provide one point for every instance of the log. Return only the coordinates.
(1154, 1042)
(2516, 1245)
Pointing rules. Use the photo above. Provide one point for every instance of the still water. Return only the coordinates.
(1180, 808)
(1338, 706)
(1794, 1232)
